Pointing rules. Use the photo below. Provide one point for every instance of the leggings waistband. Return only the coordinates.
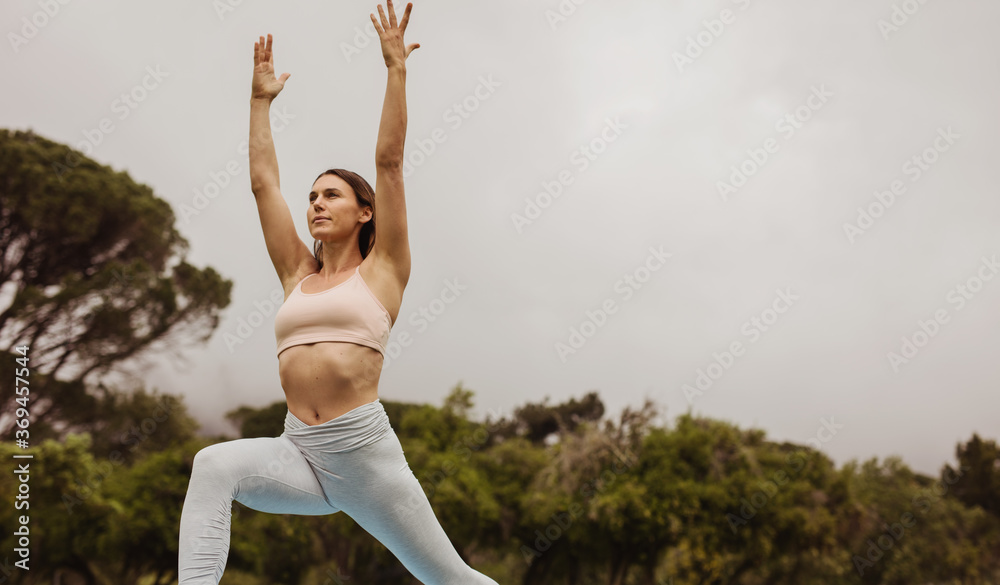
(352, 430)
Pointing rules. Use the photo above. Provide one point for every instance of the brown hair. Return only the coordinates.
(366, 198)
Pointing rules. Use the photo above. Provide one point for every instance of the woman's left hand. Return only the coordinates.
(394, 50)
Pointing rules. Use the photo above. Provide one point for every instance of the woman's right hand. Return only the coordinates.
(265, 85)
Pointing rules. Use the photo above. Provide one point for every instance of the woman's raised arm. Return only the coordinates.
(287, 251)
(391, 240)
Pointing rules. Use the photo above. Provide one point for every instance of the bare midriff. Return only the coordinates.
(327, 379)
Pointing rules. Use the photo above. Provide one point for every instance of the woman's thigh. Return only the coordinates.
(268, 474)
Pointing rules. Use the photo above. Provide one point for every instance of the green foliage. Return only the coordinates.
(553, 494)
(619, 502)
(149, 496)
(279, 549)
(976, 481)
(140, 423)
(67, 510)
(260, 422)
(97, 275)
(537, 421)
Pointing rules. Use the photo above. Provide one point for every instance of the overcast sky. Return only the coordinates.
(652, 175)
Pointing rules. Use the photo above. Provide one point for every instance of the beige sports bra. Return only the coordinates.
(347, 312)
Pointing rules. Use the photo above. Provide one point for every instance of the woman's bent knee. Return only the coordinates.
(227, 459)
(211, 458)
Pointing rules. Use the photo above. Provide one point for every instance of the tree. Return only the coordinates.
(138, 423)
(977, 479)
(915, 531)
(459, 401)
(97, 275)
(536, 421)
(575, 506)
(268, 421)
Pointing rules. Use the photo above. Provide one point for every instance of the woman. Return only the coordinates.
(338, 451)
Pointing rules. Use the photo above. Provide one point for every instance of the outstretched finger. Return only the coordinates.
(381, 14)
(256, 54)
(378, 28)
(392, 14)
(267, 50)
(406, 16)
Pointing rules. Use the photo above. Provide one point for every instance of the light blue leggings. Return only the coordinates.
(353, 463)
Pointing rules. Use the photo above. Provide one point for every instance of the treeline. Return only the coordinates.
(552, 494)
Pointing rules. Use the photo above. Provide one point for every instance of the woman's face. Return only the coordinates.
(333, 211)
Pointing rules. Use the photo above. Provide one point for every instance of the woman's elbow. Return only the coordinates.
(389, 162)
(259, 184)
